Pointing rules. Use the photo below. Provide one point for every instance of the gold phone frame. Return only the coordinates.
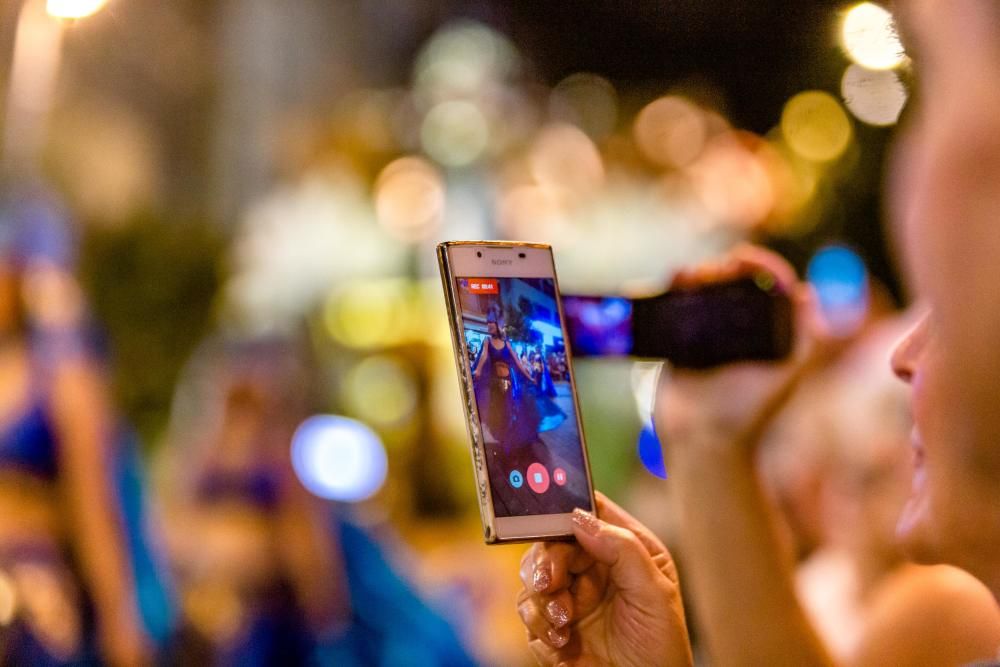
(497, 530)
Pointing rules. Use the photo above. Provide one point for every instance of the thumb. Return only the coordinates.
(631, 565)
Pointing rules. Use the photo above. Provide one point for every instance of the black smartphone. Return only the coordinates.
(748, 319)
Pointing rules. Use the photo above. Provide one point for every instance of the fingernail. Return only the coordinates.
(558, 614)
(586, 521)
(557, 638)
(542, 578)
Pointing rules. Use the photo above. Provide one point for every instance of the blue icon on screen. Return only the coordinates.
(516, 479)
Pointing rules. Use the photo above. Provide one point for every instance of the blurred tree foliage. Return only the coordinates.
(151, 283)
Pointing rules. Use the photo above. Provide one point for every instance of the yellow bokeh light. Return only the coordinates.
(363, 315)
(73, 9)
(815, 126)
(794, 181)
(670, 131)
(380, 390)
(875, 97)
(869, 37)
(374, 314)
(409, 198)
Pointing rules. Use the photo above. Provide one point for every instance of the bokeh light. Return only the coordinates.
(537, 213)
(670, 131)
(337, 458)
(815, 126)
(875, 97)
(793, 181)
(461, 60)
(650, 451)
(644, 377)
(588, 101)
(375, 313)
(380, 390)
(869, 37)
(409, 198)
(455, 133)
(73, 9)
(732, 181)
(840, 279)
(298, 241)
(564, 157)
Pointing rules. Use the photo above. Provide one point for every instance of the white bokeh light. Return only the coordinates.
(337, 458)
(875, 97)
(73, 9)
(869, 37)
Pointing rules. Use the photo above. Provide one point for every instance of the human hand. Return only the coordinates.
(611, 598)
(735, 402)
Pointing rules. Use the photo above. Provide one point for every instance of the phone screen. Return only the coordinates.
(599, 326)
(522, 378)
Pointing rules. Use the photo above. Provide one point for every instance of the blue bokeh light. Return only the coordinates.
(337, 458)
(651, 452)
(839, 276)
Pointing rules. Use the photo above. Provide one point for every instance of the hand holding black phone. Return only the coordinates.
(746, 319)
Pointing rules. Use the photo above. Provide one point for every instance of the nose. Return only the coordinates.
(904, 356)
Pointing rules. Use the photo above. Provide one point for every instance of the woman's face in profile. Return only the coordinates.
(941, 171)
(945, 517)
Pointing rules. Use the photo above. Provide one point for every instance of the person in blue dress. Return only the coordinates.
(77, 578)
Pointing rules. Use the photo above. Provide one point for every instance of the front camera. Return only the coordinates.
(521, 255)
(479, 254)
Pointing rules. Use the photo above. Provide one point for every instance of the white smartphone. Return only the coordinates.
(518, 388)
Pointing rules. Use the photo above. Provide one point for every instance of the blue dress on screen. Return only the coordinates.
(545, 383)
(512, 408)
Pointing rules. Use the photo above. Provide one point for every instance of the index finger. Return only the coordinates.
(610, 511)
(750, 258)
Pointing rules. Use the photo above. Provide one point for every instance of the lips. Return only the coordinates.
(917, 444)
(917, 508)
(919, 456)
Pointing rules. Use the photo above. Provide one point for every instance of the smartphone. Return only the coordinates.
(748, 319)
(518, 388)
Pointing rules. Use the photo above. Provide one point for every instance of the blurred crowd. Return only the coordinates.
(174, 485)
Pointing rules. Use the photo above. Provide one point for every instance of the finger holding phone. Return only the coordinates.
(612, 598)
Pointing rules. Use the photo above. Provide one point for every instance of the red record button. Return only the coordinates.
(538, 478)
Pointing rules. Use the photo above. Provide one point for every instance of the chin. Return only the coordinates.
(914, 535)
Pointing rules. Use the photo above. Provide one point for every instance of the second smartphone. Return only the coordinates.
(748, 319)
(519, 392)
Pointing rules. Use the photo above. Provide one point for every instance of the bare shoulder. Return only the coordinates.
(930, 615)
